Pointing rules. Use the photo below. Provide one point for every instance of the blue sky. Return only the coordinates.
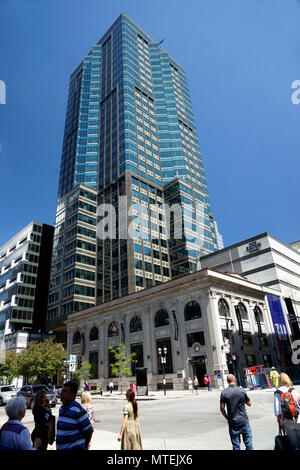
(241, 57)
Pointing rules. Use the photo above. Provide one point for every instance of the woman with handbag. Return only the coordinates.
(42, 417)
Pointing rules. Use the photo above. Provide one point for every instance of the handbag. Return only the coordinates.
(282, 441)
(51, 430)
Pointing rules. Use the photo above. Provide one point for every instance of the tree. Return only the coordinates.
(10, 369)
(122, 365)
(83, 373)
(44, 359)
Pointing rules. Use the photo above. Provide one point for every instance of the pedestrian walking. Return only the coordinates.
(74, 430)
(13, 434)
(86, 403)
(87, 387)
(190, 385)
(42, 416)
(196, 384)
(130, 434)
(274, 376)
(287, 410)
(209, 383)
(205, 380)
(111, 387)
(235, 399)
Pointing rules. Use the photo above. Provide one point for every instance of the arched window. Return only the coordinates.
(224, 310)
(258, 315)
(192, 311)
(161, 318)
(135, 324)
(77, 338)
(94, 334)
(113, 329)
(242, 311)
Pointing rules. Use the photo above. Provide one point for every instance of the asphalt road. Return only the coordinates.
(182, 422)
(193, 422)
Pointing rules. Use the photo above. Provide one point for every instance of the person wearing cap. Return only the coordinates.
(274, 375)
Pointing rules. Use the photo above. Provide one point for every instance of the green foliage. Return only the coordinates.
(10, 369)
(83, 373)
(122, 365)
(39, 359)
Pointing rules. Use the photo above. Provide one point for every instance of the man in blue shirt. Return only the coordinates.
(235, 399)
(74, 430)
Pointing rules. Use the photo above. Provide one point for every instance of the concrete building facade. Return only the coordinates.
(269, 262)
(194, 316)
(25, 262)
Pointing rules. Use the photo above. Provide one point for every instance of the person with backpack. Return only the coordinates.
(287, 410)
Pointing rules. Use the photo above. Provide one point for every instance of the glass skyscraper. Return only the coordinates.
(130, 133)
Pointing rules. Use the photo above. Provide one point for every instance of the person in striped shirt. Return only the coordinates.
(74, 430)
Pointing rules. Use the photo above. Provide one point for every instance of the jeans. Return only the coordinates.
(235, 434)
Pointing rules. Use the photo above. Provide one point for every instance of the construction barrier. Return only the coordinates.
(257, 377)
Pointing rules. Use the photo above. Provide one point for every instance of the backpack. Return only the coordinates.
(290, 408)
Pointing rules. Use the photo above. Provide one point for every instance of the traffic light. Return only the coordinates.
(228, 358)
(79, 361)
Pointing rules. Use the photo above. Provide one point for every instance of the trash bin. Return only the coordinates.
(133, 387)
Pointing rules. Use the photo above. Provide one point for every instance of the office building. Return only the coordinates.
(73, 271)
(25, 262)
(130, 135)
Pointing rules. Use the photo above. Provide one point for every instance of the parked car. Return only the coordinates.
(6, 393)
(58, 389)
(29, 392)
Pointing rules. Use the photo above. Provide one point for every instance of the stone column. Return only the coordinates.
(147, 342)
(152, 309)
(216, 356)
(105, 349)
(182, 342)
(101, 328)
(177, 350)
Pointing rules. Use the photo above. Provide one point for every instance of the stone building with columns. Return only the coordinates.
(208, 321)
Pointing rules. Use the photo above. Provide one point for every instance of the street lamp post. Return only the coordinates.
(163, 360)
(230, 342)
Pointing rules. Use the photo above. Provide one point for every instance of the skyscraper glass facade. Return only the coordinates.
(130, 132)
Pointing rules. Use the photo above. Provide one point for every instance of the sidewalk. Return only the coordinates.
(174, 394)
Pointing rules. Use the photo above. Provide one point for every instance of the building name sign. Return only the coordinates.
(253, 247)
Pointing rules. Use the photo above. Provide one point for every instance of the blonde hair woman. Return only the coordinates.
(290, 426)
(86, 403)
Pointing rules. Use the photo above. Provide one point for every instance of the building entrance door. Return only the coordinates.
(199, 368)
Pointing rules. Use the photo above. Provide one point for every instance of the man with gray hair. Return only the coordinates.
(13, 435)
(235, 398)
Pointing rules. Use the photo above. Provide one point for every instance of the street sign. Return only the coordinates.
(72, 357)
(72, 366)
